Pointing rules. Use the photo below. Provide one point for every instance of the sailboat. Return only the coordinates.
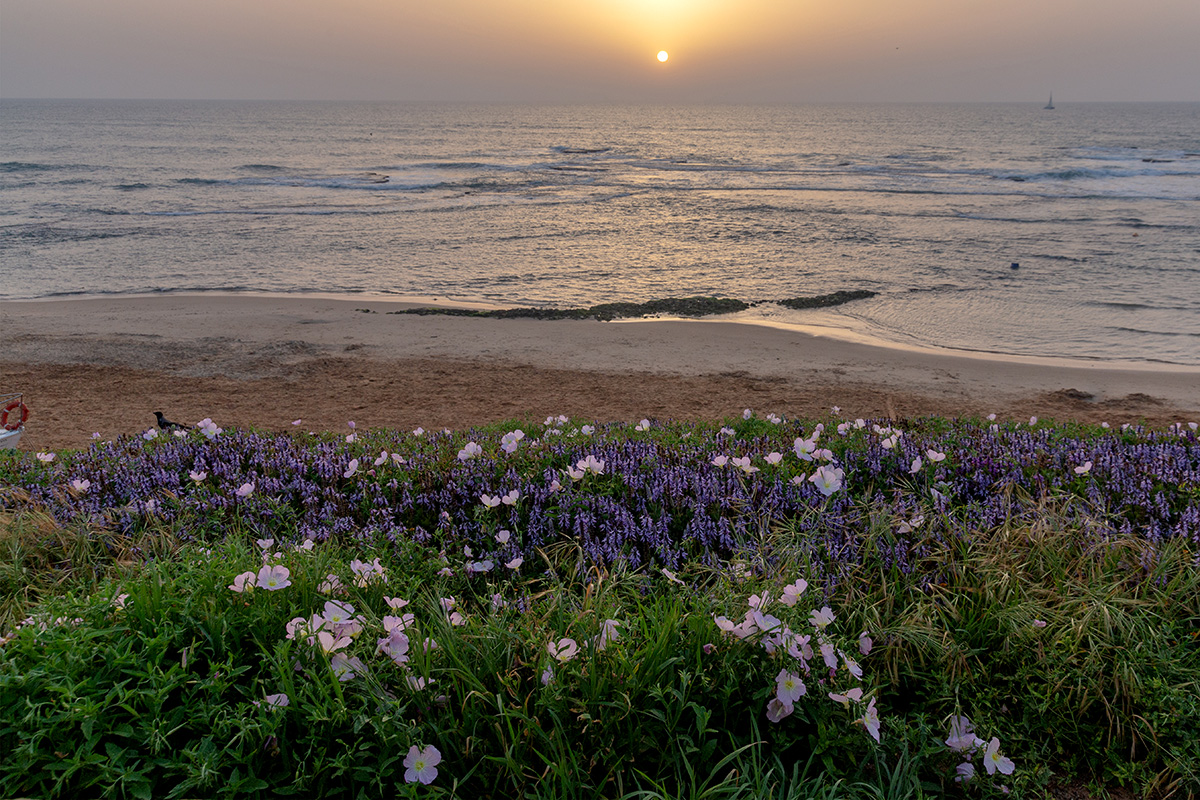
(1050, 105)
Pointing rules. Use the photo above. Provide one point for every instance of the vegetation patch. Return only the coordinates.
(760, 608)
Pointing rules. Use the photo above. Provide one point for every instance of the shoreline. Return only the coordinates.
(818, 322)
(106, 364)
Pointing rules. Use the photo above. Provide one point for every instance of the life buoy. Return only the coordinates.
(8, 409)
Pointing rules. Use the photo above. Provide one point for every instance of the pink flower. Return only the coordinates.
(962, 735)
(608, 634)
(827, 479)
(245, 490)
(791, 592)
(777, 709)
(563, 650)
(276, 700)
(274, 577)
(870, 720)
(394, 646)
(346, 668)
(421, 765)
(243, 582)
(1084, 469)
(994, 762)
(743, 464)
(330, 643)
(788, 687)
(400, 623)
(822, 618)
(591, 464)
(852, 696)
(804, 448)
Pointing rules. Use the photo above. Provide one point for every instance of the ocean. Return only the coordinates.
(1001, 228)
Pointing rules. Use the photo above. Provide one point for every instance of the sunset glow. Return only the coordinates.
(760, 50)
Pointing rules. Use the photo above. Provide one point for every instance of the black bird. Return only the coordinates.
(165, 423)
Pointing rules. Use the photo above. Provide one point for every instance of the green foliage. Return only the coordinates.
(142, 674)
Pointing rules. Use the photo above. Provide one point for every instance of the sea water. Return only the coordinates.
(1001, 228)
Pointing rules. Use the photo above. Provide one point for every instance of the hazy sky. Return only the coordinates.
(603, 50)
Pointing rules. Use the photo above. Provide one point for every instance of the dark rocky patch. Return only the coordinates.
(825, 300)
(670, 306)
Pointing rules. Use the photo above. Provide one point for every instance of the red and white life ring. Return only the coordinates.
(15, 405)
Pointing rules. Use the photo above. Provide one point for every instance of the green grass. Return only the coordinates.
(156, 696)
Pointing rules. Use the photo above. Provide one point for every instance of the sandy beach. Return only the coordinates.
(105, 365)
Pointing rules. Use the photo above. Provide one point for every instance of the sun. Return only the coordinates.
(663, 56)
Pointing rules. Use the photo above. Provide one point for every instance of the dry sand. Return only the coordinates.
(105, 365)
